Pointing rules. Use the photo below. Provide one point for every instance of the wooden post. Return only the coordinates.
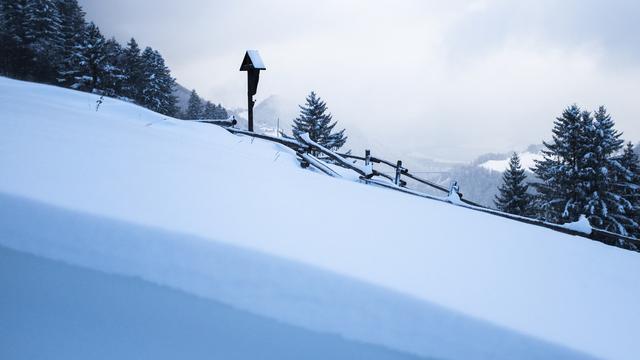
(253, 76)
(367, 157)
(454, 188)
(398, 172)
(250, 103)
(252, 63)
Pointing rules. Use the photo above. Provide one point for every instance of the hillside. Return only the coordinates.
(182, 94)
(527, 160)
(186, 218)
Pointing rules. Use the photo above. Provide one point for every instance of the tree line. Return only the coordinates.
(49, 41)
(586, 169)
(197, 109)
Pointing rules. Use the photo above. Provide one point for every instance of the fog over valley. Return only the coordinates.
(446, 81)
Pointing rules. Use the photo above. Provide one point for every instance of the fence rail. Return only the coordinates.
(219, 122)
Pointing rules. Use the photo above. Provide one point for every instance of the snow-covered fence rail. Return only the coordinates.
(304, 146)
(403, 171)
(599, 235)
(308, 159)
(219, 122)
(614, 239)
(365, 171)
(291, 143)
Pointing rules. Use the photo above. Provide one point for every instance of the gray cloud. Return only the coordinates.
(447, 79)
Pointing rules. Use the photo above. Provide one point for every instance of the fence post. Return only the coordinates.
(454, 188)
(367, 157)
(398, 172)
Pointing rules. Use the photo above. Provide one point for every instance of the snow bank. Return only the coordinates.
(582, 225)
(266, 285)
(420, 271)
(118, 317)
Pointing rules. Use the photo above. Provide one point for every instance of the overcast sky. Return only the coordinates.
(447, 79)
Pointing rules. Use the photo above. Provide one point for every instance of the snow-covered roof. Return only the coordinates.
(252, 60)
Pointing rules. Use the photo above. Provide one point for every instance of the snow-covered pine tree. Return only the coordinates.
(209, 110)
(43, 33)
(72, 32)
(560, 192)
(133, 69)
(17, 57)
(112, 81)
(3, 30)
(90, 59)
(513, 197)
(314, 120)
(157, 93)
(630, 186)
(194, 107)
(221, 112)
(599, 171)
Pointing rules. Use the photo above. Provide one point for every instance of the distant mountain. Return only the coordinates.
(527, 159)
(275, 109)
(478, 180)
(183, 94)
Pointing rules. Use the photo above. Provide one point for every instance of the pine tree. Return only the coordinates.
(561, 194)
(90, 60)
(157, 93)
(221, 112)
(209, 110)
(72, 33)
(17, 57)
(629, 184)
(194, 107)
(513, 197)
(113, 78)
(599, 170)
(43, 34)
(213, 111)
(133, 69)
(581, 173)
(314, 121)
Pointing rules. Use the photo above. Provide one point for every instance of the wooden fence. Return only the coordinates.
(304, 147)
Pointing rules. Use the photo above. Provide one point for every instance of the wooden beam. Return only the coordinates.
(343, 162)
(293, 144)
(312, 160)
(220, 122)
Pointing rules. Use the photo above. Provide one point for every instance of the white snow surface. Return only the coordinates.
(256, 59)
(193, 207)
(527, 160)
(582, 225)
(454, 198)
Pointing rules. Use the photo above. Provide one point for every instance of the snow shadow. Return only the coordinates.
(229, 301)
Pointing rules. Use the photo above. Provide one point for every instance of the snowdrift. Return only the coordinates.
(237, 222)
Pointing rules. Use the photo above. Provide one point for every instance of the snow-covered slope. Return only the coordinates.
(190, 206)
(527, 160)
